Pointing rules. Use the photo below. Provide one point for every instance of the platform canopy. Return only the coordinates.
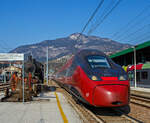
(11, 57)
(126, 57)
(129, 50)
(146, 66)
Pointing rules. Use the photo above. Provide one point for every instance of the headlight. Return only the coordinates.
(94, 78)
(123, 77)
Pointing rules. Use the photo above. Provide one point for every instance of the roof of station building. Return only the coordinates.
(129, 50)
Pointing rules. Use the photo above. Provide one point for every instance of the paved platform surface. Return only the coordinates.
(1, 95)
(45, 109)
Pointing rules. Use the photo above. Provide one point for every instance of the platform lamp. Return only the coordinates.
(134, 49)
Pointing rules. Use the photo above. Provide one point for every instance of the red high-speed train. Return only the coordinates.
(95, 79)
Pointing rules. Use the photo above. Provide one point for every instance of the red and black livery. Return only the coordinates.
(95, 79)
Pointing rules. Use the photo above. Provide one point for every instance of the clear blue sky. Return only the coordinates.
(31, 21)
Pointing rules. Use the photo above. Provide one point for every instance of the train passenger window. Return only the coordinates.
(98, 62)
(144, 75)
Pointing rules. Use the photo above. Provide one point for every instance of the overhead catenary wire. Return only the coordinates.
(2, 50)
(106, 15)
(90, 19)
(92, 16)
(128, 31)
(131, 24)
(4, 47)
(146, 38)
(138, 35)
(104, 11)
(87, 23)
(140, 38)
(135, 32)
(134, 39)
(101, 17)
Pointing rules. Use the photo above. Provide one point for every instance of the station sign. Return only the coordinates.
(11, 57)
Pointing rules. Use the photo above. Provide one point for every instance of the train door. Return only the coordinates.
(144, 77)
(138, 76)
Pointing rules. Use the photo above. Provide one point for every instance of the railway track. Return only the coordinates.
(97, 115)
(118, 119)
(140, 100)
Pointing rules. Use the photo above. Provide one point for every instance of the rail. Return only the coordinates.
(140, 100)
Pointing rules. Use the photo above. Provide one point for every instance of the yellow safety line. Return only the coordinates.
(61, 110)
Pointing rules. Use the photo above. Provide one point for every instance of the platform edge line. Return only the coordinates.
(61, 110)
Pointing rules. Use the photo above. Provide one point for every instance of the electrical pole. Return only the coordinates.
(23, 80)
(4, 76)
(47, 67)
(134, 66)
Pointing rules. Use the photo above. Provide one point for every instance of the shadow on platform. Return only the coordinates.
(46, 88)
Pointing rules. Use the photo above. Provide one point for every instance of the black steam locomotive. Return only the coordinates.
(35, 68)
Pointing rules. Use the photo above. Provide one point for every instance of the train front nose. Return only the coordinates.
(110, 95)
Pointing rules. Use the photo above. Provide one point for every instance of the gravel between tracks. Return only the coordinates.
(140, 113)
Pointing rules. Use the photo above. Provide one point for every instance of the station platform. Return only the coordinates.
(140, 91)
(1, 95)
(51, 107)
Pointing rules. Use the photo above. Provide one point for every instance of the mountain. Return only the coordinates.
(65, 46)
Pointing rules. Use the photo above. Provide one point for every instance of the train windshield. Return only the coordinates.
(98, 62)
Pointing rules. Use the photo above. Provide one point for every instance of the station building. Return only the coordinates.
(125, 58)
